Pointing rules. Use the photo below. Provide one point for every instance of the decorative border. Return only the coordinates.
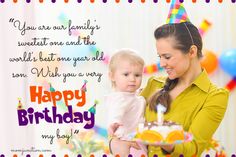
(106, 1)
(104, 155)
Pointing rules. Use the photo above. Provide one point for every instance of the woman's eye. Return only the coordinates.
(167, 57)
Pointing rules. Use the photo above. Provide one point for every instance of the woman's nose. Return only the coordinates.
(162, 63)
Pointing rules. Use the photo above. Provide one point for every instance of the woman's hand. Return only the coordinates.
(168, 148)
(121, 147)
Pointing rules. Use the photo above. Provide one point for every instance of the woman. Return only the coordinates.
(190, 97)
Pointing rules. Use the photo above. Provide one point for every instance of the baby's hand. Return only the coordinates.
(139, 91)
(112, 128)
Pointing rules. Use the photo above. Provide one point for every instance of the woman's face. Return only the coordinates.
(172, 60)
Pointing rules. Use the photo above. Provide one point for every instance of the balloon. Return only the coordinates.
(209, 61)
(228, 62)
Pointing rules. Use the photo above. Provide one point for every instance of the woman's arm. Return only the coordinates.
(205, 124)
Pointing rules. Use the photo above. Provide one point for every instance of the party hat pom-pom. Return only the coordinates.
(96, 102)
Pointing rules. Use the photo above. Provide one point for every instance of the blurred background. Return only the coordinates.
(122, 25)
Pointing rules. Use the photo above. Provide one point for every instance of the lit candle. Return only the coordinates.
(160, 114)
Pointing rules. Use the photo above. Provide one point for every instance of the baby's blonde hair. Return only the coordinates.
(127, 55)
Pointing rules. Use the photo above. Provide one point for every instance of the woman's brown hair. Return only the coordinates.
(185, 35)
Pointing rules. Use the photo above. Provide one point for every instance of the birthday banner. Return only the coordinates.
(54, 68)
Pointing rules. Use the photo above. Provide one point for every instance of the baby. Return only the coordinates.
(126, 108)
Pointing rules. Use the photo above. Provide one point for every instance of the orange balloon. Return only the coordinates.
(209, 61)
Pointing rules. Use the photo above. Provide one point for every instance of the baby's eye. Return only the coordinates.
(125, 74)
(137, 75)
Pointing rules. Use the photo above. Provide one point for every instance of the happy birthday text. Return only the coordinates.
(30, 116)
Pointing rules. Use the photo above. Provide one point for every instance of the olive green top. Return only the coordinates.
(199, 108)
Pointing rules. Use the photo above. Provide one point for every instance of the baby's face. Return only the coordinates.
(127, 77)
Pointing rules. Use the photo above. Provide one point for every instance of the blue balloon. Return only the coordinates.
(228, 62)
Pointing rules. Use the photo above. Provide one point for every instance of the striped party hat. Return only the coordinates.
(177, 13)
